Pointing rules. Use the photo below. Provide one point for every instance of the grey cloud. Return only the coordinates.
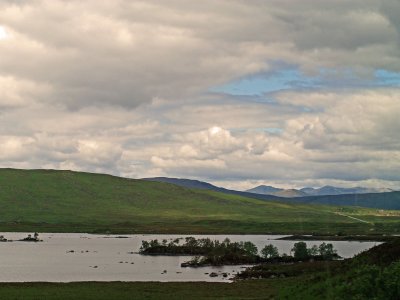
(122, 87)
(391, 9)
(127, 53)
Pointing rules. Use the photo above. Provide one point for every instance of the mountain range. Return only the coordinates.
(309, 191)
(327, 195)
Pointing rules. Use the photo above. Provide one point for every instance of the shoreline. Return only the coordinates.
(280, 236)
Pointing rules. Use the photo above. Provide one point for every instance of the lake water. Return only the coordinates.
(109, 258)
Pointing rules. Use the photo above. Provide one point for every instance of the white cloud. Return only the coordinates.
(122, 87)
(15, 148)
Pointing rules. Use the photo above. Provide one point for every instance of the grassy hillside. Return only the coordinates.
(389, 200)
(47, 200)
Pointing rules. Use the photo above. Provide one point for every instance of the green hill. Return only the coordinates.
(66, 201)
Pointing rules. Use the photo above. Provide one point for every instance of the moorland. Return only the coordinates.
(66, 201)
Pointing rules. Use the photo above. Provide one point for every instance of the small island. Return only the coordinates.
(30, 238)
(339, 237)
(216, 253)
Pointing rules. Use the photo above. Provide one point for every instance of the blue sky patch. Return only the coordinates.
(293, 79)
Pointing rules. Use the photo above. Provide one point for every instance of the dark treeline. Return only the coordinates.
(191, 246)
(209, 252)
(212, 252)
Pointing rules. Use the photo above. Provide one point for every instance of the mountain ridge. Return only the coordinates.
(382, 200)
(309, 191)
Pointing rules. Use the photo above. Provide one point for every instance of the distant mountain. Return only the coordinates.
(332, 190)
(270, 190)
(290, 193)
(196, 184)
(264, 189)
(381, 200)
(309, 191)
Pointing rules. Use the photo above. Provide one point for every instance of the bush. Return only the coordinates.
(373, 282)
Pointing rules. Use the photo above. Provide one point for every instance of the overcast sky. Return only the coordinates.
(289, 93)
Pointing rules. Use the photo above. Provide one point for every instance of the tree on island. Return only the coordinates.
(313, 251)
(269, 251)
(326, 250)
(250, 248)
(300, 250)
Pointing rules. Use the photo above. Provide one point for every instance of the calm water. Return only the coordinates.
(108, 258)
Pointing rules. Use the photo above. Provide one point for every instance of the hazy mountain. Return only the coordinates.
(290, 193)
(264, 189)
(332, 190)
(270, 190)
(309, 191)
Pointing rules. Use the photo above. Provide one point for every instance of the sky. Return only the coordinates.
(238, 93)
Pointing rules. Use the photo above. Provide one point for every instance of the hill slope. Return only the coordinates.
(196, 184)
(382, 200)
(390, 200)
(188, 183)
(74, 201)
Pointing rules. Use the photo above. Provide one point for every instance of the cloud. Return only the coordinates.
(354, 138)
(15, 93)
(127, 53)
(124, 87)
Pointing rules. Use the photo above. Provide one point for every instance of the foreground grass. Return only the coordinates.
(65, 201)
(259, 289)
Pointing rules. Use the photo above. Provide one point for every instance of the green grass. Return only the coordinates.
(65, 201)
(261, 289)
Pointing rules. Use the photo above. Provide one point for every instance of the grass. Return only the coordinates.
(261, 289)
(66, 201)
